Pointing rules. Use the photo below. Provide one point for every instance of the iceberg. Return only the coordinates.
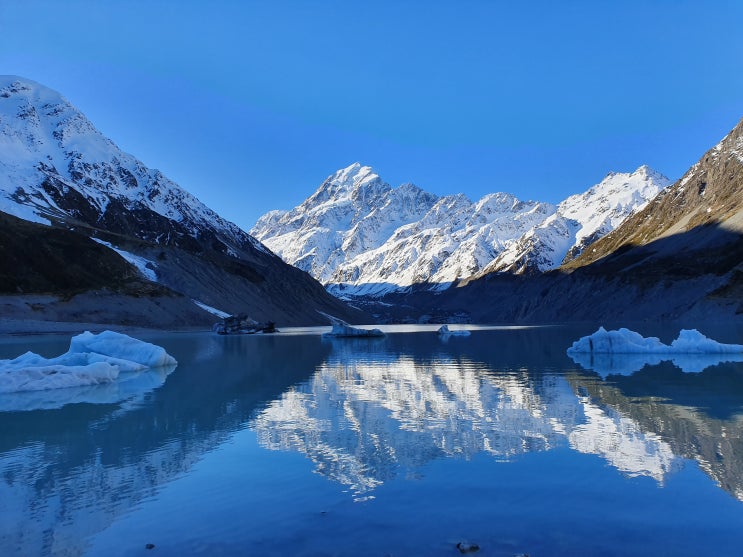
(341, 329)
(91, 360)
(445, 332)
(624, 351)
(118, 345)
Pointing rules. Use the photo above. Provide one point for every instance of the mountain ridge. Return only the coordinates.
(344, 235)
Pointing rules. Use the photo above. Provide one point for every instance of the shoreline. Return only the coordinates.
(26, 327)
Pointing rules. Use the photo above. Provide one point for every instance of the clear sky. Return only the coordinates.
(250, 104)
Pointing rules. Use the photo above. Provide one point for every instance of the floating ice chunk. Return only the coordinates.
(624, 351)
(691, 341)
(341, 329)
(444, 331)
(117, 345)
(622, 341)
(55, 376)
(345, 330)
(91, 360)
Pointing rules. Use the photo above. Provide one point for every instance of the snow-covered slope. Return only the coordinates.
(581, 219)
(358, 235)
(55, 165)
(57, 169)
(352, 212)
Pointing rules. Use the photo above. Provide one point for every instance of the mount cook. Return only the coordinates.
(359, 236)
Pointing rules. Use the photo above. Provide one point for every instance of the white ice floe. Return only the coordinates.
(91, 360)
(118, 345)
(445, 331)
(624, 351)
(341, 329)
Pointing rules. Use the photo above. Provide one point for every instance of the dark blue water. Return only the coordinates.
(407, 445)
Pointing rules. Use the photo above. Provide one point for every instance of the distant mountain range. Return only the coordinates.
(58, 173)
(629, 248)
(359, 236)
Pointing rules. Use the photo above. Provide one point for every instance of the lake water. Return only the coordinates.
(403, 446)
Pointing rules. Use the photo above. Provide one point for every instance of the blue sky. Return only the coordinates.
(250, 105)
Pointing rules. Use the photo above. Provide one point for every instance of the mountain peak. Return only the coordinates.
(345, 183)
(647, 172)
(58, 170)
(354, 175)
(17, 86)
(357, 234)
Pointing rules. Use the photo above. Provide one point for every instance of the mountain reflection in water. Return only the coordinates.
(368, 414)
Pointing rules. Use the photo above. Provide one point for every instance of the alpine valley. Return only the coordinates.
(89, 234)
(632, 247)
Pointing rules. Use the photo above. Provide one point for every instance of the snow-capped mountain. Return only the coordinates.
(358, 235)
(580, 220)
(678, 259)
(58, 170)
(56, 165)
(708, 195)
(352, 212)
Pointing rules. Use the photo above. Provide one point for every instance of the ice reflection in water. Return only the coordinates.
(364, 418)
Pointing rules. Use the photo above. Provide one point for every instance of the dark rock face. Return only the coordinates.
(39, 259)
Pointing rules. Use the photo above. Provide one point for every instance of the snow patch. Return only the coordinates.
(144, 266)
(210, 309)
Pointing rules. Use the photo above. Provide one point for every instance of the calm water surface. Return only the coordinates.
(403, 446)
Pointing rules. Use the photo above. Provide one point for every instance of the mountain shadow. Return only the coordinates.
(691, 276)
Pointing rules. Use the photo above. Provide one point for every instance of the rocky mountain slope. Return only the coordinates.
(359, 236)
(680, 259)
(57, 170)
(709, 195)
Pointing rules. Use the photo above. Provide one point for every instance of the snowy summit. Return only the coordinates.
(358, 235)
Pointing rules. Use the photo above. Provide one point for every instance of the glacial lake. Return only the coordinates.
(295, 445)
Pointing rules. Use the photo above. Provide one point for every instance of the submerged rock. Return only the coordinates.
(467, 547)
(242, 324)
